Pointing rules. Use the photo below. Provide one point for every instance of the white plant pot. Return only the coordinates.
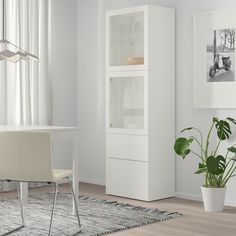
(213, 198)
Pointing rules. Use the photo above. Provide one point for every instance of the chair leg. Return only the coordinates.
(21, 206)
(75, 201)
(0, 185)
(22, 215)
(53, 207)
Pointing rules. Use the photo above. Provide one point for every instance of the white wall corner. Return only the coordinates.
(92, 181)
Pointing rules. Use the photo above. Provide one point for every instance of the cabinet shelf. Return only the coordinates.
(126, 131)
(127, 68)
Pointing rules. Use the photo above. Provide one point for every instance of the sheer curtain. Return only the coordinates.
(25, 93)
(25, 86)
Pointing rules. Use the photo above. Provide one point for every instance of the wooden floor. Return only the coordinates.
(194, 222)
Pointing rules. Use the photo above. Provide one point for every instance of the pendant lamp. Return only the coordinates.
(10, 51)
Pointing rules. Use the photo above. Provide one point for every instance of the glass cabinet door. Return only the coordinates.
(126, 102)
(126, 39)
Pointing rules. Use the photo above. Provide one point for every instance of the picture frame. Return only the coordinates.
(214, 84)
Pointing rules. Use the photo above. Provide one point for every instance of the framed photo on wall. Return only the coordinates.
(214, 59)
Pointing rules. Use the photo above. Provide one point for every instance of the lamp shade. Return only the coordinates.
(11, 52)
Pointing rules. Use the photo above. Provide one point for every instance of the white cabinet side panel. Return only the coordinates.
(161, 102)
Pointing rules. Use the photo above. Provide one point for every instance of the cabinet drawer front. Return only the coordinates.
(132, 147)
(127, 178)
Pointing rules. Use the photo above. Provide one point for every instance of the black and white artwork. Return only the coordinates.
(221, 55)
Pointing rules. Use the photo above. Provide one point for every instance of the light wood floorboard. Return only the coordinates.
(194, 222)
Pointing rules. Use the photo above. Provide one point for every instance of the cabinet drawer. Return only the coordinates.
(132, 147)
(127, 178)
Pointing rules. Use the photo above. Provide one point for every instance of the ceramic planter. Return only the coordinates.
(213, 198)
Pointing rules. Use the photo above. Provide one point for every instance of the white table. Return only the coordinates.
(69, 132)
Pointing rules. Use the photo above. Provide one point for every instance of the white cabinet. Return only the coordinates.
(140, 102)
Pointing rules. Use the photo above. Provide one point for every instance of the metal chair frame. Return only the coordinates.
(53, 207)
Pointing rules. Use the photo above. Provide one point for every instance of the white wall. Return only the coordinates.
(187, 184)
(64, 73)
(90, 94)
(64, 61)
(91, 87)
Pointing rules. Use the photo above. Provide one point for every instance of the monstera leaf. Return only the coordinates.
(216, 165)
(222, 128)
(231, 120)
(182, 146)
(201, 169)
(232, 149)
(189, 128)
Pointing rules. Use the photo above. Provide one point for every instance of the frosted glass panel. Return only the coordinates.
(127, 39)
(127, 102)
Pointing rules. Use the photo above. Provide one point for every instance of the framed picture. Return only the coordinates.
(214, 59)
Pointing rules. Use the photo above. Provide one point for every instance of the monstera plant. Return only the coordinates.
(217, 167)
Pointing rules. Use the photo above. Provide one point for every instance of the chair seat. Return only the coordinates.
(59, 174)
(27, 157)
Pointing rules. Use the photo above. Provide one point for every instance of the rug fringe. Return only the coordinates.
(128, 206)
(166, 215)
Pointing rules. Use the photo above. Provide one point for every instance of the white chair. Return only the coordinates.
(27, 157)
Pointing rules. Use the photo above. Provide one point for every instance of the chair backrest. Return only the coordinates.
(26, 156)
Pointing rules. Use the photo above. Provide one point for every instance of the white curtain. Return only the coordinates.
(25, 92)
(25, 86)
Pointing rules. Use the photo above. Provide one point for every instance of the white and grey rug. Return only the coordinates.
(98, 217)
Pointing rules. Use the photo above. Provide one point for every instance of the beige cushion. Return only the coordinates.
(27, 156)
(59, 174)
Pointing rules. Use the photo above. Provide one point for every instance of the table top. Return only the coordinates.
(16, 128)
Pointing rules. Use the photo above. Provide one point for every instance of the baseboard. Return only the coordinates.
(230, 203)
(92, 181)
(188, 196)
(196, 197)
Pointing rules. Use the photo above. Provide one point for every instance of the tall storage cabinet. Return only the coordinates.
(140, 102)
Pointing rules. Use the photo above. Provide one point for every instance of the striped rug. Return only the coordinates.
(98, 217)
